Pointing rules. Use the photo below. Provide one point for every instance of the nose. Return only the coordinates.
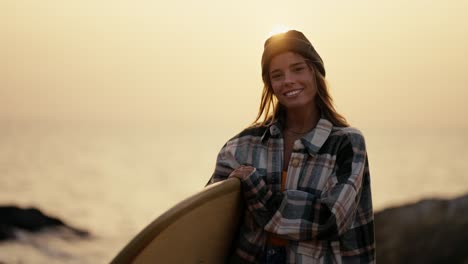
(288, 78)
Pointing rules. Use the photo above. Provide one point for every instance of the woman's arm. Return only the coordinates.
(226, 163)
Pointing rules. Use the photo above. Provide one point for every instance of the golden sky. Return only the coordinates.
(393, 62)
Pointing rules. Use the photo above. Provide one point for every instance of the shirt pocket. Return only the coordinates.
(310, 251)
(318, 175)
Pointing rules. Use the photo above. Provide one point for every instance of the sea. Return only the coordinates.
(112, 179)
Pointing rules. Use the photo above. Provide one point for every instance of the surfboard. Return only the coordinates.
(199, 229)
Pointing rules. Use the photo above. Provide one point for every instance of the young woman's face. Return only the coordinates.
(292, 80)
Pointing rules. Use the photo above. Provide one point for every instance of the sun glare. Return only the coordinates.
(278, 29)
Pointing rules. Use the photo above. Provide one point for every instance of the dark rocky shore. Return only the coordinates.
(14, 218)
(429, 231)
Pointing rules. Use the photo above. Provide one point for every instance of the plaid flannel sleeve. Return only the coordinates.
(258, 197)
(225, 164)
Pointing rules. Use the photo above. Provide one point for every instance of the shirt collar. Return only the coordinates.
(273, 130)
(313, 141)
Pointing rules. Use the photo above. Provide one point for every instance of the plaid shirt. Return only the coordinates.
(325, 212)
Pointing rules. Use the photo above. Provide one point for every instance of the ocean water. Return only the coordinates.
(114, 179)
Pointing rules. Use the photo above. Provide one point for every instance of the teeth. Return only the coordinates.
(292, 93)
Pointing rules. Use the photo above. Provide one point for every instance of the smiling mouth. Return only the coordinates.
(293, 93)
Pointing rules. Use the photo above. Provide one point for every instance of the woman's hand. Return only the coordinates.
(242, 172)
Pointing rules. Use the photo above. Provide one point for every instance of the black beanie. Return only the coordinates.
(291, 40)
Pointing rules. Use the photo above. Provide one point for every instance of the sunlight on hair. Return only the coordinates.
(278, 29)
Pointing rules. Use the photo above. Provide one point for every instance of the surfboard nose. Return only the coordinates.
(199, 229)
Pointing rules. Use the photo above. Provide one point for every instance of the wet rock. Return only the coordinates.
(429, 231)
(29, 219)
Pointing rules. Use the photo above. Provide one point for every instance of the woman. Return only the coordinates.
(304, 171)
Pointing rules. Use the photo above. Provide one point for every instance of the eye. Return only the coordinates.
(298, 68)
(276, 76)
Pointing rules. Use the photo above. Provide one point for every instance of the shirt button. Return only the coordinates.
(295, 162)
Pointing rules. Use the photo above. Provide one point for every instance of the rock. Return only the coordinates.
(29, 219)
(429, 231)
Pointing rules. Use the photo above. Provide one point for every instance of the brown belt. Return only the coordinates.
(276, 240)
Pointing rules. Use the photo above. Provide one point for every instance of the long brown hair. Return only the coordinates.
(270, 108)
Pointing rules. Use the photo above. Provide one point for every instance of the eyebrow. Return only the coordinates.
(290, 66)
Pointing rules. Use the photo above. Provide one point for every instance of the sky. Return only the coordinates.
(389, 63)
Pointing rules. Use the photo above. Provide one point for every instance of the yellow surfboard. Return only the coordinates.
(200, 229)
